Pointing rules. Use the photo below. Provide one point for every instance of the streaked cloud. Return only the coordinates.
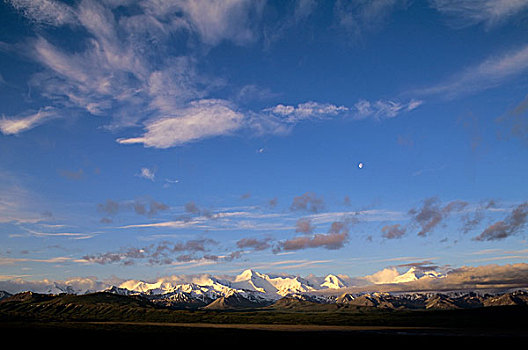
(360, 16)
(18, 124)
(382, 109)
(215, 21)
(491, 13)
(53, 260)
(204, 118)
(487, 74)
(48, 12)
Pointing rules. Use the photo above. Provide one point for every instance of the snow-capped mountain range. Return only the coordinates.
(249, 283)
(252, 284)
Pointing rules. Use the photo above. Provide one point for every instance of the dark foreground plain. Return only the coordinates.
(111, 334)
(104, 319)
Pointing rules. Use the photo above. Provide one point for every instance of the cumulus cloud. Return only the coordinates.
(393, 231)
(487, 277)
(192, 208)
(164, 253)
(305, 111)
(328, 241)
(110, 207)
(431, 213)
(481, 277)
(336, 238)
(304, 225)
(254, 243)
(386, 275)
(139, 206)
(512, 224)
(515, 122)
(280, 118)
(307, 202)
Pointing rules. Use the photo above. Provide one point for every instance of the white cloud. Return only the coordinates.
(358, 16)
(203, 118)
(16, 125)
(119, 73)
(307, 110)
(147, 173)
(217, 20)
(386, 275)
(487, 74)
(362, 109)
(382, 109)
(49, 12)
(489, 12)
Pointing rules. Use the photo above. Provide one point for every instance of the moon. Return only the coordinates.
(360, 165)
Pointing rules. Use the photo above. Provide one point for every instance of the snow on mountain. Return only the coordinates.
(392, 276)
(255, 285)
(414, 274)
(333, 282)
(273, 286)
(249, 284)
(159, 287)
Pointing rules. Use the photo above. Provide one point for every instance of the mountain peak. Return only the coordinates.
(333, 282)
(248, 272)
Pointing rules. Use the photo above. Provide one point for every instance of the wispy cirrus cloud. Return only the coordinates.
(201, 119)
(281, 118)
(54, 260)
(463, 13)
(48, 12)
(487, 74)
(360, 16)
(14, 125)
(118, 72)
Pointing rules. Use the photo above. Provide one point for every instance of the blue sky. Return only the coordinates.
(149, 138)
